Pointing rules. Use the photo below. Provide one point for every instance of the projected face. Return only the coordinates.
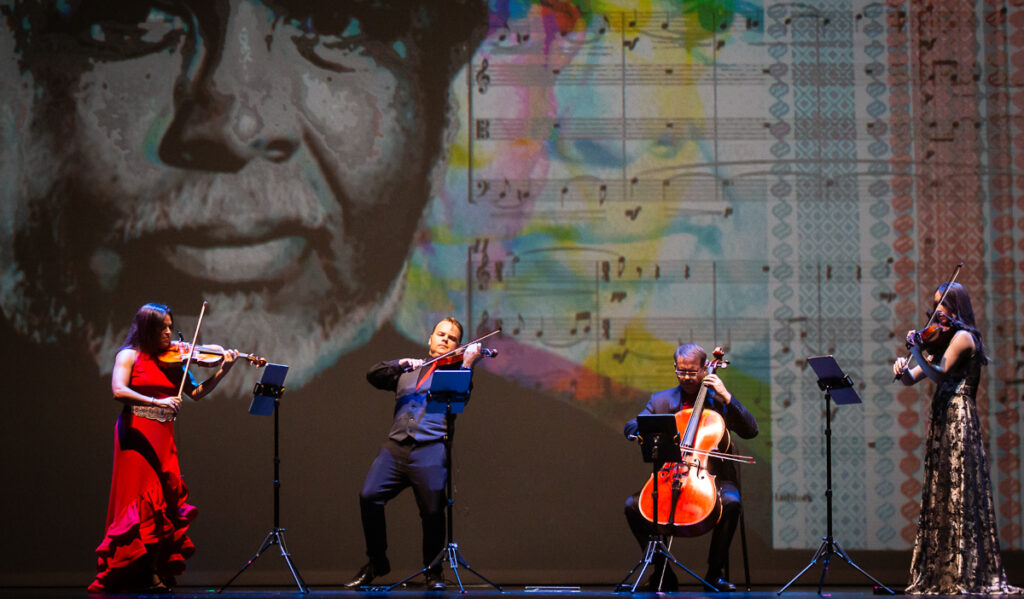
(270, 157)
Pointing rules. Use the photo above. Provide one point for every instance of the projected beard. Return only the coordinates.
(272, 161)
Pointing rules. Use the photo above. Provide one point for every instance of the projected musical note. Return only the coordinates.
(482, 77)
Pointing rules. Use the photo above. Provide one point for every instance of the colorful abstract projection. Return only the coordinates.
(783, 179)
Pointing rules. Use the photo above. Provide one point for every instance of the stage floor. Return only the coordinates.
(412, 592)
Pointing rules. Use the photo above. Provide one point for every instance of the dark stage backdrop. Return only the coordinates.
(602, 180)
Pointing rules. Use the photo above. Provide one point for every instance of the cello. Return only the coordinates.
(689, 503)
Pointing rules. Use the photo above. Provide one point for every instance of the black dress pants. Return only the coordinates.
(397, 466)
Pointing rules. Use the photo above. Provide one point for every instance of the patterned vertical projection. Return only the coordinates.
(960, 223)
(881, 408)
(904, 247)
(808, 145)
(949, 212)
(1011, 464)
(828, 215)
(1001, 333)
(786, 405)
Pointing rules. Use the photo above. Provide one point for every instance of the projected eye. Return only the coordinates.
(122, 31)
(341, 38)
(109, 30)
(329, 51)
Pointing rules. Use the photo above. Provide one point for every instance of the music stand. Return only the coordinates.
(448, 395)
(838, 386)
(659, 443)
(266, 399)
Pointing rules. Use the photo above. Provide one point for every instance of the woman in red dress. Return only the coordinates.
(145, 544)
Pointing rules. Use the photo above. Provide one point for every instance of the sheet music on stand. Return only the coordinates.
(270, 387)
(448, 385)
(659, 438)
(832, 378)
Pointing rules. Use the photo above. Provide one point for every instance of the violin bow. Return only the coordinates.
(711, 453)
(464, 346)
(191, 350)
(949, 283)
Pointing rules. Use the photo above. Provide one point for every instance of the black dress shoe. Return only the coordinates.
(435, 581)
(720, 584)
(366, 575)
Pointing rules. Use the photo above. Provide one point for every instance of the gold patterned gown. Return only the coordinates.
(957, 549)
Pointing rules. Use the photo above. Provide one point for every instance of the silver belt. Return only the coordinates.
(157, 413)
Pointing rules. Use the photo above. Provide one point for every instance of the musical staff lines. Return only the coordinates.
(635, 31)
(631, 75)
(627, 126)
(552, 273)
(562, 273)
(685, 192)
(652, 128)
(574, 328)
(592, 302)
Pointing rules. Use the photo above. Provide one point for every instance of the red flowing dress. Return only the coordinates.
(148, 514)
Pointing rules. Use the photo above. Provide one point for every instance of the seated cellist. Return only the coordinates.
(690, 362)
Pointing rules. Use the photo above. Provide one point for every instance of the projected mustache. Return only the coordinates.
(233, 208)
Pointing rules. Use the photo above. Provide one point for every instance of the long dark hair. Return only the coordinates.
(959, 303)
(147, 326)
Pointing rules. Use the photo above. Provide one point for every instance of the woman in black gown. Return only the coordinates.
(957, 549)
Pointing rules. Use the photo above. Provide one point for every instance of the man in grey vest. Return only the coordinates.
(412, 456)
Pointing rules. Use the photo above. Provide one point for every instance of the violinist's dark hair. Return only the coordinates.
(453, 322)
(146, 328)
(959, 303)
(690, 350)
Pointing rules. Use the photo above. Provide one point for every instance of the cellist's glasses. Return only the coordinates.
(689, 373)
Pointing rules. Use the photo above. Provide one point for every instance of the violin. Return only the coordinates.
(938, 323)
(935, 331)
(688, 501)
(455, 356)
(209, 355)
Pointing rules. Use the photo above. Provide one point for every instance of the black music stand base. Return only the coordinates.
(826, 550)
(274, 537)
(659, 444)
(453, 402)
(655, 546)
(449, 556)
(268, 392)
